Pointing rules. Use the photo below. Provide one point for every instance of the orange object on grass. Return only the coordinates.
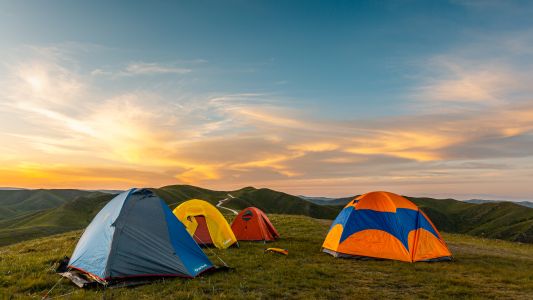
(278, 250)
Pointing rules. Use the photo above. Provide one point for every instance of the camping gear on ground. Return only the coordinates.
(205, 224)
(277, 250)
(135, 236)
(251, 224)
(385, 225)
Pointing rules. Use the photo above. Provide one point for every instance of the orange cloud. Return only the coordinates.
(148, 139)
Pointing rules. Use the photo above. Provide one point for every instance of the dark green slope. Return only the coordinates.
(14, 202)
(77, 213)
(267, 200)
(328, 201)
(501, 220)
(44, 212)
(74, 214)
(175, 194)
(271, 201)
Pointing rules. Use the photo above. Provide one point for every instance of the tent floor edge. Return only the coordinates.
(436, 259)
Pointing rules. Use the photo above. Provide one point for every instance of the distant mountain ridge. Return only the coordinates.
(328, 201)
(345, 200)
(480, 201)
(27, 214)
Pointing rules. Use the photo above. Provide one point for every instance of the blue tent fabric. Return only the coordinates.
(398, 224)
(136, 235)
(92, 251)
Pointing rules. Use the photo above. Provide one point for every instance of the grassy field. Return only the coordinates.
(482, 268)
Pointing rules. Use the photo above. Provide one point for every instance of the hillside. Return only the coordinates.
(45, 212)
(480, 201)
(73, 214)
(15, 202)
(328, 201)
(76, 213)
(501, 220)
(481, 269)
(271, 201)
(267, 200)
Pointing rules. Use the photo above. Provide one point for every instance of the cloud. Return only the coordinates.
(489, 71)
(142, 68)
(69, 133)
(146, 69)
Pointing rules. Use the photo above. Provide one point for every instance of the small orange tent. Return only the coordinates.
(251, 224)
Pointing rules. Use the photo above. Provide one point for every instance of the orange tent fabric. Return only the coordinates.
(385, 225)
(251, 224)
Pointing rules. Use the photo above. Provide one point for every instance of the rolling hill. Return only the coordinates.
(14, 202)
(480, 201)
(493, 219)
(70, 215)
(267, 200)
(501, 220)
(78, 212)
(482, 269)
(328, 201)
(29, 214)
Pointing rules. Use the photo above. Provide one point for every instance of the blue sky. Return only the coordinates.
(312, 97)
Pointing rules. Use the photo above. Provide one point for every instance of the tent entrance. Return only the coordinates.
(202, 235)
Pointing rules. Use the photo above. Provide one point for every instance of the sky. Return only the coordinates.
(319, 98)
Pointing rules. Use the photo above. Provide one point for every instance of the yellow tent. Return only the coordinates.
(205, 223)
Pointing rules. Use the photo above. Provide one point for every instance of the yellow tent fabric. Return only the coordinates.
(219, 229)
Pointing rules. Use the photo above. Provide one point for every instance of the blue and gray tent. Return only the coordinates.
(136, 235)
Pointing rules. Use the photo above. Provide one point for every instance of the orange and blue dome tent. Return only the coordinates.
(384, 225)
(205, 223)
(252, 224)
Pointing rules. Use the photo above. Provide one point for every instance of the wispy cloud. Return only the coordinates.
(490, 71)
(68, 132)
(145, 69)
(142, 68)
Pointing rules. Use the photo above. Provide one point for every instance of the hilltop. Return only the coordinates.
(479, 201)
(481, 269)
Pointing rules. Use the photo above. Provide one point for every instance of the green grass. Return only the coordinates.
(482, 268)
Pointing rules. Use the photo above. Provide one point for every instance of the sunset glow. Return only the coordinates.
(256, 104)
